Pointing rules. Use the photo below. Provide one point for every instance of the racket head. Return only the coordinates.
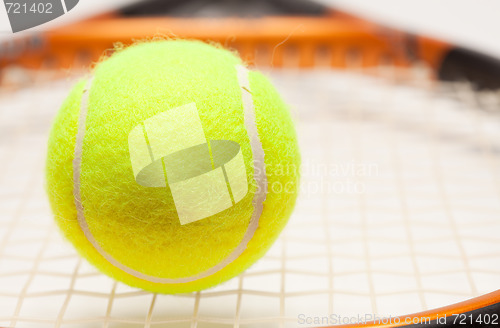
(365, 98)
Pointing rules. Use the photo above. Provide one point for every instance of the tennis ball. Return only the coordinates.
(173, 167)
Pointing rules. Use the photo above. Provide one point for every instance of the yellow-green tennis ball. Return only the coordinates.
(172, 168)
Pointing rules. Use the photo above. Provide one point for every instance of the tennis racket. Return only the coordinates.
(397, 221)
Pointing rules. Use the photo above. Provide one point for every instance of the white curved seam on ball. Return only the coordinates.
(259, 174)
(258, 199)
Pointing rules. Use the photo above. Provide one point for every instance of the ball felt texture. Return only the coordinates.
(138, 226)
